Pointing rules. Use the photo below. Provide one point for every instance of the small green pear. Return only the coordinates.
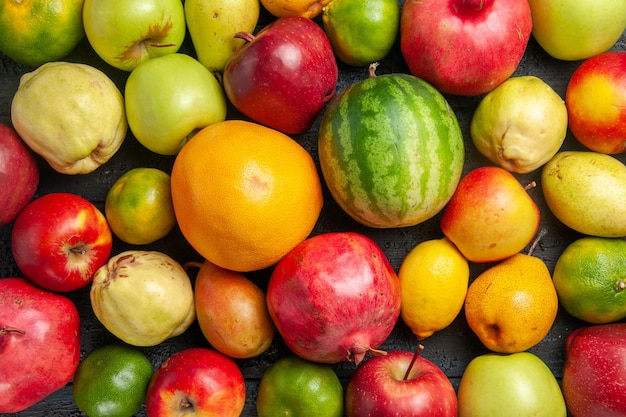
(212, 25)
(586, 191)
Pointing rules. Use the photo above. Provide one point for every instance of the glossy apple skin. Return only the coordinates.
(596, 102)
(283, 76)
(577, 29)
(594, 372)
(19, 174)
(43, 355)
(464, 47)
(512, 385)
(59, 240)
(378, 389)
(196, 382)
(490, 215)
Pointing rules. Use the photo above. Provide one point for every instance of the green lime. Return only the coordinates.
(361, 32)
(293, 386)
(35, 32)
(111, 381)
(590, 279)
(139, 206)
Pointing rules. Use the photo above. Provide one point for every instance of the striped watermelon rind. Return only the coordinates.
(391, 150)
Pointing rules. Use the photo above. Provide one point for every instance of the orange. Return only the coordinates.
(244, 194)
(33, 32)
(511, 306)
(303, 8)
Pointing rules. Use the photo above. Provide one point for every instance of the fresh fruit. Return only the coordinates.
(361, 32)
(400, 383)
(125, 33)
(334, 297)
(490, 216)
(169, 98)
(590, 279)
(212, 26)
(434, 277)
(39, 343)
(577, 29)
(520, 124)
(596, 103)
(304, 8)
(586, 191)
(512, 305)
(36, 32)
(196, 381)
(111, 381)
(85, 124)
(232, 312)
(143, 297)
(515, 385)
(464, 47)
(138, 206)
(367, 142)
(594, 372)
(59, 240)
(283, 76)
(295, 386)
(237, 200)
(17, 186)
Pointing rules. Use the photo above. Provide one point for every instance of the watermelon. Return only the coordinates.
(391, 150)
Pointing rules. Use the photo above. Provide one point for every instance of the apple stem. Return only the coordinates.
(5, 330)
(78, 251)
(372, 69)
(246, 36)
(162, 45)
(417, 353)
(542, 232)
(532, 184)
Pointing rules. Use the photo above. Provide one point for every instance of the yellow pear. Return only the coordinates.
(212, 25)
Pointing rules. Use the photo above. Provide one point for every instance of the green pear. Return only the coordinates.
(212, 25)
(586, 191)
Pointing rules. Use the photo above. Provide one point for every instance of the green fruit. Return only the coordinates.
(586, 191)
(391, 150)
(112, 381)
(361, 31)
(590, 279)
(293, 386)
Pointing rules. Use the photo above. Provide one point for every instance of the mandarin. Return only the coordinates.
(244, 194)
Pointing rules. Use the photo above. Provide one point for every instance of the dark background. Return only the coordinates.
(451, 349)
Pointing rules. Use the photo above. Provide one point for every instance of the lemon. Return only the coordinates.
(434, 278)
(33, 32)
(139, 207)
(112, 381)
(590, 279)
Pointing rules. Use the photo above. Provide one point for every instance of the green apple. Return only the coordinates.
(212, 25)
(125, 33)
(577, 29)
(169, 98)
(513, 385)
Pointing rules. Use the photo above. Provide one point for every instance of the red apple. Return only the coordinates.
(490, 216)
(39, 343)
(464, 47)
(594, 372)
(400, 384)
(283, 76)
(196, 382)
(596, 103)
(59, 240)
(19, 174)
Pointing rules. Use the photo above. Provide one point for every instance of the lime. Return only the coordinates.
(434, 277)
(293, 386)
(139, 206)
(361, 32)
(33, 32)
(590, 279)
(112, 381)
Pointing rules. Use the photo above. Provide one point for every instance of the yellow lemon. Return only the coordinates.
(434, 278)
